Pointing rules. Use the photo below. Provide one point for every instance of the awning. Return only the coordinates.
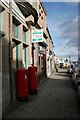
(27, 9)
(15, 42)
(36, 25)
(25, 44)
(43, 44)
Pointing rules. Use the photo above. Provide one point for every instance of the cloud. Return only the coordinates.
(65, 28)
(69, 33)
(69, 30)
(72, 52)
(61, 0)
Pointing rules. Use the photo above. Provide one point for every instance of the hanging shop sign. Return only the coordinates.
(37, 35)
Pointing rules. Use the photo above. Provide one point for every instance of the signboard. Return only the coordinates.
(37, 35)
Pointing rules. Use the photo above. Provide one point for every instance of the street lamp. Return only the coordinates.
(70, 60)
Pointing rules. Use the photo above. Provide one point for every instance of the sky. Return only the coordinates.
(62, 20)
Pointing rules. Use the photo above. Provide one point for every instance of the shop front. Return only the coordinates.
(42, 61)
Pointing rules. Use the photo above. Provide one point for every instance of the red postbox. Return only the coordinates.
(32, 79)
(21, 84)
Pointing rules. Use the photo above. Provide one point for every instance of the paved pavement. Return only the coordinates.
(56, 98)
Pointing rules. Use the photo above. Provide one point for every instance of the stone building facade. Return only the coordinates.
(25, 17)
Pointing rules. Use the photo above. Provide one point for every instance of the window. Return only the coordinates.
(15, 31)
(42, 18)
(39, 14)
(24, 49)
(15, 50)
(41, 11)
(24, 57)
(17, 56)
(0, 21)
(24, 36)
(39, 7)
(0, 55)
(39, 60)
(0, 46)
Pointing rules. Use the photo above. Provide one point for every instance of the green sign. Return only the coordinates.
(37, 35)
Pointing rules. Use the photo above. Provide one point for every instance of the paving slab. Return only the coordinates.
(56, 98)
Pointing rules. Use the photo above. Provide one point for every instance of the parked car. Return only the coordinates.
(70, 71)
(79, 91)
(76, 77)
(77, 83)
(56, 67)
(61, 65)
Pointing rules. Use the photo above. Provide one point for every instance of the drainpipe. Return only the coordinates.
(10, 49)
(32, 54)
(32, 48)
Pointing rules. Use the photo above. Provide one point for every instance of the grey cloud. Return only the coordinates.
(69, 30)
(67, 55)
(70, 44)
(70, 52)
(61, 0)
(63, 25)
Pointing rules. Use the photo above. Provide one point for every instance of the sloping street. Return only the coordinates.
(56, 98)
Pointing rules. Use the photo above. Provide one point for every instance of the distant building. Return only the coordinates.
(59, 61)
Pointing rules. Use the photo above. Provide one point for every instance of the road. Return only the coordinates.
(56, 98)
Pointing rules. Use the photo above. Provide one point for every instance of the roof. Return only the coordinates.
(49, 34)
